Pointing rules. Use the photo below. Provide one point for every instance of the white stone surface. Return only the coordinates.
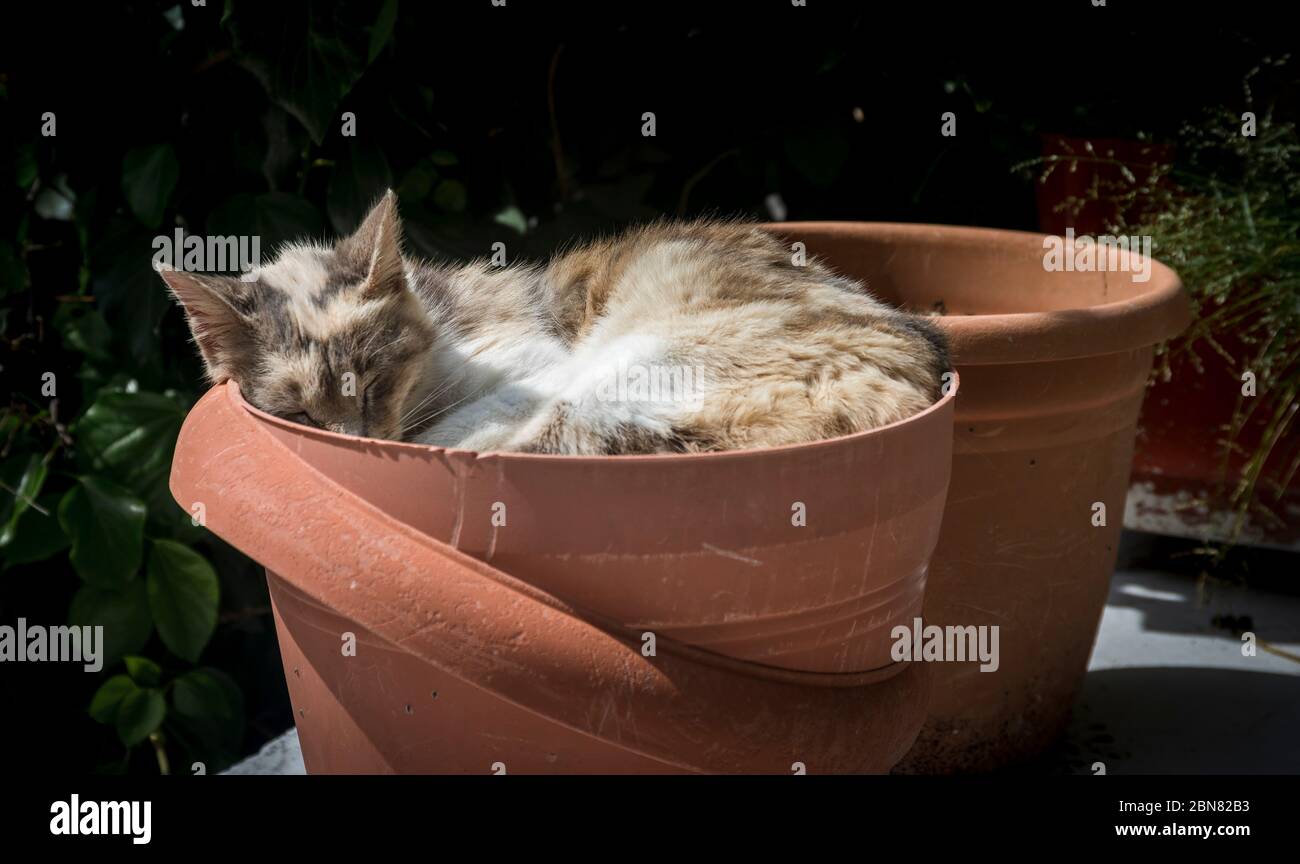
(280, 756)
(1168, 692)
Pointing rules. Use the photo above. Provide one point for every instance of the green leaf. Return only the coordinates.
(143, 671)
(89, 334)
(130, 295)
(124, 615)
(38, 535)
(149, 176)
(23, 479)
(383, 29)
(108, 698)
(301, 58)
(174, 523)
(140, 713)
(356, 182)
(418, 181)
(443, 158)
(276, 217)
(106, 524)
(512, 217)
(25, 166)
(450, 195)
(13, 273)
(183, 594)
(56, 201)
(212, 708)
(131, 436)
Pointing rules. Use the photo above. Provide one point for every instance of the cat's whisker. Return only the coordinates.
(432, 394)
(400, 339)
(424, 420)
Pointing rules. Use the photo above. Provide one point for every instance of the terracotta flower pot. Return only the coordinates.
(1183, 473)
(1054, 366)
(447, 611)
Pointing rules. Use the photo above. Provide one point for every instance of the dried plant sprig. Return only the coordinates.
(1226, 215)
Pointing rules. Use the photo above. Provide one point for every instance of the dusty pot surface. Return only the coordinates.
(703, 612)
(1054, 364)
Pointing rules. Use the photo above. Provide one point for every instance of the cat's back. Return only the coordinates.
(701, 267)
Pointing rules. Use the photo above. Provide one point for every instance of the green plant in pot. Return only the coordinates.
(1218, 425)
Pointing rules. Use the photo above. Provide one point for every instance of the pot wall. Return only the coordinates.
(1054, 367)
(1036, 448)
(387, 711)
(799, 558)
(375, 612)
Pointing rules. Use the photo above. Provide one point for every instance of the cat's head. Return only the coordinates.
(329, 337)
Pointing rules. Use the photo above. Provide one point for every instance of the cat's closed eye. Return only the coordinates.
(305, 419)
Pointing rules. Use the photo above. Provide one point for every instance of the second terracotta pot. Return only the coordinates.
(1054, 365)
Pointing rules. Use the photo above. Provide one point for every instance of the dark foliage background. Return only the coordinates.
(521, 124)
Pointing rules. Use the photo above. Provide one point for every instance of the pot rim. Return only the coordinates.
(939, 405)
(1161, 311)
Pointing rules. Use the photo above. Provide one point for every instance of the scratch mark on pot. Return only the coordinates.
(458, 489)
(985, 611)
(736, 556)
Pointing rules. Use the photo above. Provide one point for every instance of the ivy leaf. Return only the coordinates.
(106, 524)
(512, 217)
(130, 295)
(300, 57)
(450, 195)
(37, 536)
(149, 176)
(13, 273)
(23, 479)
(124, 615)
(133, 710)
(56, 201)
(140, 713)
(275, 217)
(355, 183)
(108, 698)
(383, 29)
(183, 596)
(211, 707)
(418, 181)
(26, 168)
(143, 671)
(88, 334)
(131, 436)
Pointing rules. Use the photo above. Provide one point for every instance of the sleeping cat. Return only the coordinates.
(673, 337)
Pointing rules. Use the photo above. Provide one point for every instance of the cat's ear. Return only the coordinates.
(376, 248)
(219, 313)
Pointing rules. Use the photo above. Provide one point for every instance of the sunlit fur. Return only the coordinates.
(526, 358)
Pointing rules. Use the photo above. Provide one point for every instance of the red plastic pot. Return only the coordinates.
(520, 613)
(1054, 366)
